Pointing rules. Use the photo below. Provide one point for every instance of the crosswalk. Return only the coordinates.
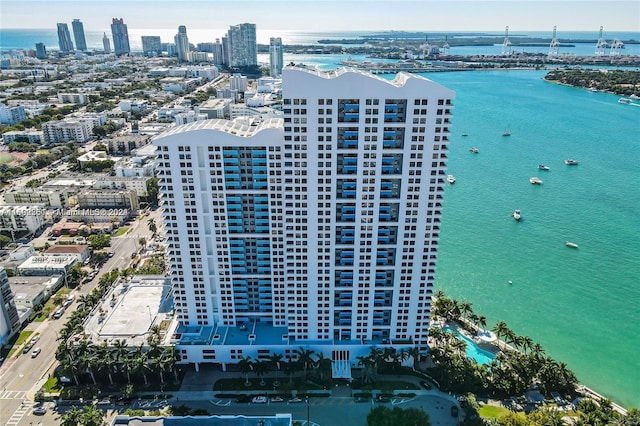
(14, 420)
(7, 394)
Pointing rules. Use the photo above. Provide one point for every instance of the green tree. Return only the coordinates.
(99, 241)
(4, 240)
(152, 227)
(383, 416)
(246, 366)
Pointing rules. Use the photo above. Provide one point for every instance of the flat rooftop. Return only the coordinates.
(130, 309)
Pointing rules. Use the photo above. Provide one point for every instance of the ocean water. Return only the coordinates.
(27, 39)
(582, 305)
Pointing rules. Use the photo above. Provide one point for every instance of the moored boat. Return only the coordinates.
(543, 167)
(536, 181)
(516, 215)
(474, 150)
(451, 179)
(571, 162)
(507, 132)
(570, 244)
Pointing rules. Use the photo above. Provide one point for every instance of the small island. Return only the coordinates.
(619, 82)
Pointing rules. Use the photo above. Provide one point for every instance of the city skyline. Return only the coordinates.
(330, 15)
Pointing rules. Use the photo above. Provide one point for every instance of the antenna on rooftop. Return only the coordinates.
(555, 44)
(506, 44)
(602, 45)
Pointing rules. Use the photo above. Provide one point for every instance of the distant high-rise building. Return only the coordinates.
(78, 35)
(323, 237)
(276, 58)
(182, 44)
(106, 44)
(41, 51)
(242, 48)
(64, 38)
(120, 36)
(151, 46)
(218, 57)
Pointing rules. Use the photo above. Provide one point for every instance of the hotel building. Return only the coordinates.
(240, 47)
(317, 230)
(276, 56)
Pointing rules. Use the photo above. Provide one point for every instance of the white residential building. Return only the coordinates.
(317, 230)
(72, 98)
(12, 115)
(67, 130)
(21, 218)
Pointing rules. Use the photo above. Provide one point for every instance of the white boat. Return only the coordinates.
(516, 215)
(465, 134)
(571, 162)
(624, 101)
(536, 181)
(451, 179)
(570, 244)
(474, 150)
(543, 167)
(507, 132)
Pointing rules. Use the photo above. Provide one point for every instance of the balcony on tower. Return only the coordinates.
(384, 278)
(345, 235)
(346, 188)
(393, 138)
(347, 138)
(344, 257)
(390, 188)
(348, 110)
(388, 212)
(395, 110)
(347, 164)
(392, 164)
(345, 212)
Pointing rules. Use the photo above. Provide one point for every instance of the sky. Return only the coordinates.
(331, 15)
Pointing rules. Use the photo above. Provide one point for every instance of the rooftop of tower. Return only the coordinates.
(399, 80)
(239, 127)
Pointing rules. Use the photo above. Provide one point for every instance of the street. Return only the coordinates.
(21, 376)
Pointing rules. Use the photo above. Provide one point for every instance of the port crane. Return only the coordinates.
(506, 44)
(601, 47)
(554, 46)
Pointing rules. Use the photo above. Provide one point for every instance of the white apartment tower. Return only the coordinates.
(276, 56)
(182, 44)
(317, 230)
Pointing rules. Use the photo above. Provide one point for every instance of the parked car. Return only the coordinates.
(259, 399)
(276, 399)
(123, 401)
(36, 352)
(103, 401)
(295, 400)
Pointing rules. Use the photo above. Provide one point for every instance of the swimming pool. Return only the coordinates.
(473, 351)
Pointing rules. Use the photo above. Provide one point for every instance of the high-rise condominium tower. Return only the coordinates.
(241, 49)
(182, 44)
(120, 36)
(106, 44)
(78, 35)
(64, 38)
(41, 51)
(151, 45)
(318, 230)
(275, 56)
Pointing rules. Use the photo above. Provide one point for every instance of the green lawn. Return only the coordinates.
(23, 337)
(121, 231)
(6, 158)
(493, 412)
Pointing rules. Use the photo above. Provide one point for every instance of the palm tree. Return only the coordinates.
(261, 368)
(500, 329)
(414, 353)
(246, 366)
(366, 364)
(275, 360)
(88, 359)
(305, 357)
(376, 355)
(141, 364)
(163, 361)
(323, 365)
(152, 226)
(482, 322)
(154, 334)
(107, 359)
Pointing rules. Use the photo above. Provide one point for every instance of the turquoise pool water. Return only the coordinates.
(473, 351)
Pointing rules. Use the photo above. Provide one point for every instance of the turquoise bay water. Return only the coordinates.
(582, 305)
(472, 350)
